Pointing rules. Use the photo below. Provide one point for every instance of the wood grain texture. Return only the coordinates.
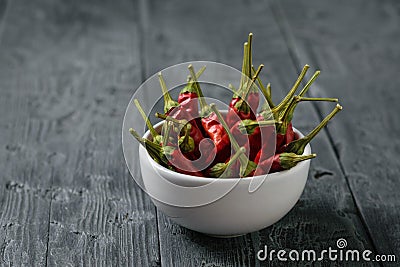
(67, 71)
(179, 32)
(25, 168)
(359, 56)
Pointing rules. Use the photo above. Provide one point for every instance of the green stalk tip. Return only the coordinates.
(298, 146)
(282, 105)
(307, 86)
(153, 132)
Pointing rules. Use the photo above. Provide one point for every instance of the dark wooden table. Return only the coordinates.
(69, 68)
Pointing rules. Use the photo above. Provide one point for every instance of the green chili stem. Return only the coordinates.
(243, 158)
(289, 160)
(199, 92)
(249, 56)
(153, 132)
(234, 90)
(152, 150)
(299, 145)
(307, 86)
(186, 142)
(265, 91)
(235, 156)
(292, 91)
(262, 123)
(169, 118)
(287, 116)
(167, 131)
(168, 101)
(327, 99)
(248, 126)
(198, 73)
(246, 92)
(245, 67)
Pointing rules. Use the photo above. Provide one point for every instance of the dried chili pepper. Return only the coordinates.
(246, 166)
(168, 155)
(189, 92)
(195, 132)
(225, 169)
(211, 125)
(245, 100)
(248, 134)
(280, 162)
(298, 146)
(157, 138)
(239, 108)
(285, 133)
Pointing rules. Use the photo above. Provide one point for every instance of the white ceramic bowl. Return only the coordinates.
(235, 213)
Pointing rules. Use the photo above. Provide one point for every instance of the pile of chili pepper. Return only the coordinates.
(248, 140)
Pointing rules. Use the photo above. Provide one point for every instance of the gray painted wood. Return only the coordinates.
(359, 56)
(177, 32)
(25, 167)
(68, 71)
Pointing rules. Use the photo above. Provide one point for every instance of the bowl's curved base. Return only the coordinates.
(226, 236)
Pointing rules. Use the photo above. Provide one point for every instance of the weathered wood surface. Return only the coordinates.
(356, 44)
(68, 69)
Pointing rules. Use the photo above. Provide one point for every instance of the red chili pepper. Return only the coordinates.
(188, 98)
(195, 132)
(169, 156)
(280, 162)
(253, 99)
(266, 149)
(245, 100)
(239, 108)
(246, 166)
(298, 146)
(248, 134)
(226, 169)
(189, 92)
(211, 125)
(218, 135)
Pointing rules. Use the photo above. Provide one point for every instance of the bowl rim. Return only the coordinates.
(194, 178)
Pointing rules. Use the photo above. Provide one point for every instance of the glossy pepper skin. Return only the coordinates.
(178, 161)
(218, 135)
(188, 98)
(195, 132)
(238, 110)
(210, 124)
(268, 137)
(253, 99)
(250, 141)
(167, 155)
(280, 162)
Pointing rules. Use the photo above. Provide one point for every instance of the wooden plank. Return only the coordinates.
(215, 30)
(24, 198)
(356, 46)
(68, 70)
